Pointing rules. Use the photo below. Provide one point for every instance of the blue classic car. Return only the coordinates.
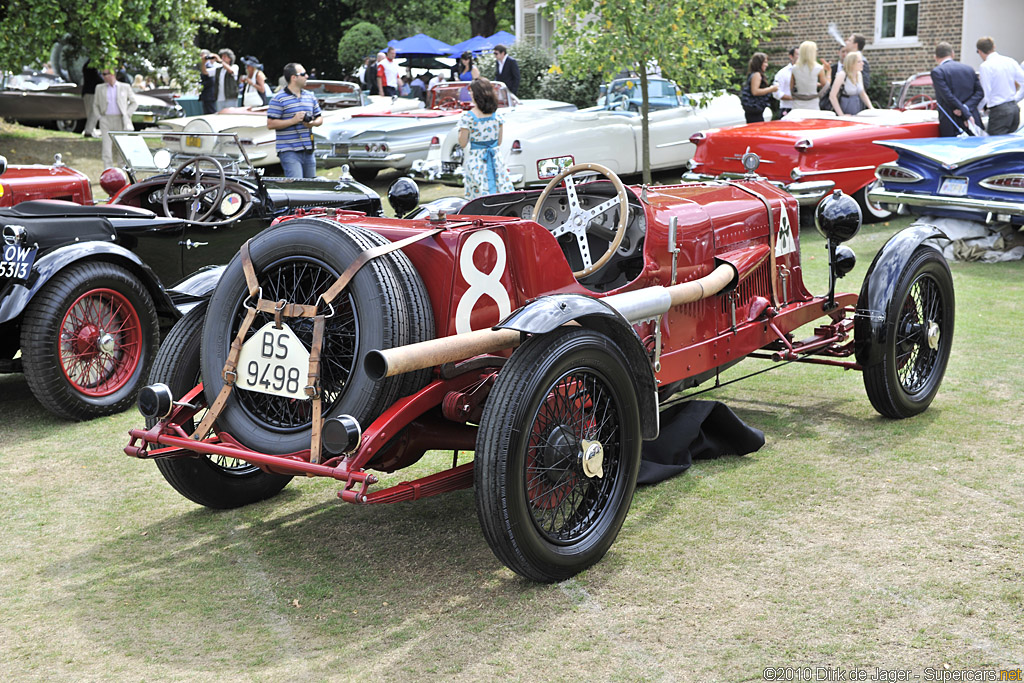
(975, 178)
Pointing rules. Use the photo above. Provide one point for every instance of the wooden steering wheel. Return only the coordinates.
(579, 221)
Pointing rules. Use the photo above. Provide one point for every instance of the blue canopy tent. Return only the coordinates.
(421, 45)
(502, 38)
(476, 45)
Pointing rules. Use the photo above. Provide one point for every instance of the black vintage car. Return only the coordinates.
(85, 290)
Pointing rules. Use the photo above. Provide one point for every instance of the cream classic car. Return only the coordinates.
(537, 147)
(339, 100)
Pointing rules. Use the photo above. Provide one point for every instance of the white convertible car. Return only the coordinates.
(537, 147)
(339, 100)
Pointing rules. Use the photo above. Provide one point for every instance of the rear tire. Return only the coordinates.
(872, 212)
(214, 481)
(918, 337)
(88, 339)
(543, 514)
(71, 125)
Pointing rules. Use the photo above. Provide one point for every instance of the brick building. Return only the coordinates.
(901, 34)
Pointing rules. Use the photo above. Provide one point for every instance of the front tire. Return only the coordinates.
(543, 509)
(214, 481)
(917, 341)
(88, 339)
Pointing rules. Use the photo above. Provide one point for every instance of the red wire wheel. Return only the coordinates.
(88, 338)
(100, 342)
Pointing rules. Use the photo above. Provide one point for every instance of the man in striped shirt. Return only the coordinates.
(292, 113)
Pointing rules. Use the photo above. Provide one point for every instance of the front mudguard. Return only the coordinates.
(870, 326)
(20, 294)
(551, 312)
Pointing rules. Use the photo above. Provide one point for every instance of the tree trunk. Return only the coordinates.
(481, 17)
(645, 135)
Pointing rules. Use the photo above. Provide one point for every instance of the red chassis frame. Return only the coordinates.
(718, 222)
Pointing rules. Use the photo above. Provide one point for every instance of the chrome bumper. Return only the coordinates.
(807, 193)
(986, 206)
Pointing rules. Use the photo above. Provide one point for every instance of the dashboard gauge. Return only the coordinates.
(230, 205)
(550, 215)
(527, 212)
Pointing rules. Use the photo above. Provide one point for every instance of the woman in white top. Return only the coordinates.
(809, 77)
(848, 95)
(255, 91)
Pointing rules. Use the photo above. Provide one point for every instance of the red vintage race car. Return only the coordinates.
(27, 182)
(820, 146)
(540, 329)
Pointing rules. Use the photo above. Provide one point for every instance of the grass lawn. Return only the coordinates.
(848, 541)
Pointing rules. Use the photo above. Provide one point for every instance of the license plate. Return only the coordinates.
(193, 141)
(341, 150)
(17, 261)
(955, 187)
(449, 166)
(274, 361)
(148, 118)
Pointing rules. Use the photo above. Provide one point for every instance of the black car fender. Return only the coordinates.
(47, 266)
(548, 313)
(869, 322)
(198, 286)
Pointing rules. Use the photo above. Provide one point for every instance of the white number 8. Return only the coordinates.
(481, 284)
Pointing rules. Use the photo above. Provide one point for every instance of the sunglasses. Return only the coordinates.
(302, 74)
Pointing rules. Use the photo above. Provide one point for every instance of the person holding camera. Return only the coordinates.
(292, 113)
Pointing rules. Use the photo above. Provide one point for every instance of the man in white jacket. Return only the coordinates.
(113, 105)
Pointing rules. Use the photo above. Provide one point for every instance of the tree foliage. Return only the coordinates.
(533, 61)
(362, 39)
(107, 31)
(308, 31)
(691, 40)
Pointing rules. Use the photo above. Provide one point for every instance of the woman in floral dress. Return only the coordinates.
(484, 170)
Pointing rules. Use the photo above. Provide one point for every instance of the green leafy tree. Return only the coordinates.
(533, 61)
(362, 39)
(684, 37)
(107, 31)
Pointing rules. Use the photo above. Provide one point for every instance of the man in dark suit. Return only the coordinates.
(957, 90)
(507, 69)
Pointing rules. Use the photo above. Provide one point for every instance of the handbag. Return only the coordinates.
(752, 103)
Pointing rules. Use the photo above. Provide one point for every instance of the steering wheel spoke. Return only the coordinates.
(584, 247)
(595, 211)
(580, 222)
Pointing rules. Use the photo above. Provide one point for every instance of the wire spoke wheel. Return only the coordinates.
(557, 454)
(563, 501)
(301, 280)
(215, 481)
(88, 338)
(100, 343)
(918, 336)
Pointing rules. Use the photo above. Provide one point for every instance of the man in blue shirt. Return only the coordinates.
(292, 113)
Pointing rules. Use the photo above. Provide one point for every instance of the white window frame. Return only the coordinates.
(899, 40)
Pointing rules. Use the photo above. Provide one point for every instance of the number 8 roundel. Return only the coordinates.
(481, 284)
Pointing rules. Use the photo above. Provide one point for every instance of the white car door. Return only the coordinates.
(670, 131)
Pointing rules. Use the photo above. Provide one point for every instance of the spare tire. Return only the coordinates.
(298, 261)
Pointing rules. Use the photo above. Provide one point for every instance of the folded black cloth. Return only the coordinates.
(695, 430)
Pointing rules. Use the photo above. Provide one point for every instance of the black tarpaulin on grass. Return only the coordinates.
(695, 430)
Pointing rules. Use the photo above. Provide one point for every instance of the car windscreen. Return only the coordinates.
(149, 153)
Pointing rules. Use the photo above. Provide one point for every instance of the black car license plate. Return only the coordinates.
(449, 166)
(17, 261)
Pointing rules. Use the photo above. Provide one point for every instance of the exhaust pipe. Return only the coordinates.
(638, 306)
